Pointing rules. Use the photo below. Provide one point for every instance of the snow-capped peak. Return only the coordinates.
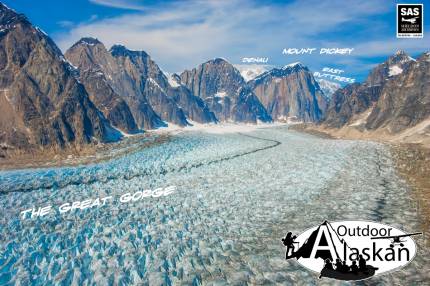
(172, 80)
(400, 57)
(328, 87)
(249, 72)
(398, 62)
(299, 64)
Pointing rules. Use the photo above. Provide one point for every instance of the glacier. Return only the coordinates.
(237, 195)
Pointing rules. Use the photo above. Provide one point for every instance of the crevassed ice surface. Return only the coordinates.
(237, 195)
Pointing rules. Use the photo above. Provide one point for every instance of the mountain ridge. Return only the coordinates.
(386, 106)
(93, 95)
(43, 105)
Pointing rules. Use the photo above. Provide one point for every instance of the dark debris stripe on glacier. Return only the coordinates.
(6, 188)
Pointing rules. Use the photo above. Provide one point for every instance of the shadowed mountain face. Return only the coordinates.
(135, 78)
(290, 92)
(222, 87)
(405, 100)
(193, 106)
(41, 102)
(124, 83)
(84, 54)
(393, 66)
(352, 99)
(389, 77)
(140, 77)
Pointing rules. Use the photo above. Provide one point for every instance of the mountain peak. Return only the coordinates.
(121, 50)
(220, 59)
(424, 57)
(292, 65)
(251, 71)
(217, 61)
(328, 87)
(399, 57)
(9, 17)
(282, 72)
(4, 8)
(87, 41)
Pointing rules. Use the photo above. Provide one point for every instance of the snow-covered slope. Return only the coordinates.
(249, 72)
(328, 87)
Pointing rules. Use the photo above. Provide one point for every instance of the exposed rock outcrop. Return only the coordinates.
(290, 92)
(94, 61)
(357, 98)
(84, 55)
(135, 78)
(224, 90)
(404, 101)
(42, 105)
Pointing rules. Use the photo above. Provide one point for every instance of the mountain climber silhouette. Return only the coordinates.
(288, 241)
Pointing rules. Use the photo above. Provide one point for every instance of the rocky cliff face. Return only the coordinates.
(139, 75)
(136, 79)
(392, 67)
(123, 82)
(193, 106)
(395, 100)
(84, 55)
(41, 102)
(290, 92)
(348, 101)
(405, 100)
(352, 100)
(224, 90)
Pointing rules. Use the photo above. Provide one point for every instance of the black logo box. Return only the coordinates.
(412, 12)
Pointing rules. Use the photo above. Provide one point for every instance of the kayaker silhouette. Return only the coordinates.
(362, 263)
(354, 267)
(288, 241)
(328, 264)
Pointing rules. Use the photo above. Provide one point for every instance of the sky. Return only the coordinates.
(180, 35)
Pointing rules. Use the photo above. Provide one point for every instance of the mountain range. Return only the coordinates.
(92, 94)
(393, 101)
(42, 103)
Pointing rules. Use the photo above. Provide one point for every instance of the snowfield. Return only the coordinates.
(237, 195)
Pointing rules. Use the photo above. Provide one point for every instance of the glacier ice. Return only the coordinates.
(237, 196)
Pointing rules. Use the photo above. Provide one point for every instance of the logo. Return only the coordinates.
(410, 19)
(351, 250)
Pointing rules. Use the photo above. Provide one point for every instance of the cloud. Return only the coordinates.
(390, 46)
(66, 24)
(183, 34)
(121, 4)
